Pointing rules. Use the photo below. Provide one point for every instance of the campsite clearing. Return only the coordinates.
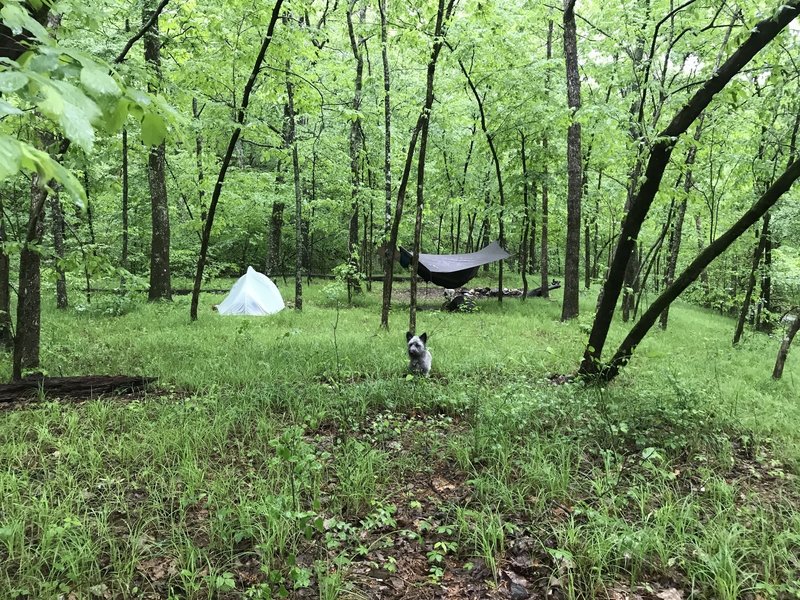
(272, 464)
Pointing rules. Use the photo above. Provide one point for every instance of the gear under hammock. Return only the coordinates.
(453, 270)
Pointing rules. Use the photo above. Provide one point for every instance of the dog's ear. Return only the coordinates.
(424, 338)
(409, 335)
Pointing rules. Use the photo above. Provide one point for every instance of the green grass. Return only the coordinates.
(291, 452)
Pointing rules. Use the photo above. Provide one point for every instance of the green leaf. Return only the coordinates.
(10, 156)
(17, 19)
(77, 126)
(7, 109)
(97, 80)
(11, 81)
(154, 130)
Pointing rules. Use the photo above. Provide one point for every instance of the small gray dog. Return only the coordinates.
(420, 358)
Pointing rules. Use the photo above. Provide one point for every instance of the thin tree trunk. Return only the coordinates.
(6, 331)
(201, 261)
(526, 219)
(160, 281)
(387, 129)
(388, 278)
(763, 33)
(125, 193)
(356, 141)
(783, 351)
(570, 307)
(544, 259)
(751, 280)
(298, 197)
(442, 16)
(692, 272)
(57, 224)
(198, 149)
(498, 173)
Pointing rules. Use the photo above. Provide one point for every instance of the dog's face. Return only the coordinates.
(416, 344)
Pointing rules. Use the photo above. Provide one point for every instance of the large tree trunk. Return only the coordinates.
(783, 351)
(662, 148)
(572, 278)
(692, 272)
(240, 116)
(160, 281)
(442, 16)
(29, 293)
(57, 224)
(751, 280)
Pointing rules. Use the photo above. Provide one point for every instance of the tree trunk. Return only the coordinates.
(57, 224)
(6, 330)
(751, 280)
(125, 192)
(526, 220)
(387, 129)
(760, 36)
(783, 352)
(356, 140)
(572, 278)
(692, 272)
(498, 174)
(298, 197)
(240, 116)
(29, 299)
(442, 16)
(544, 259)
(160, 281)
(198, 151)
(388, 277)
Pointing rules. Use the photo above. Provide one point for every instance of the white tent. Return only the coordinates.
(253, 294)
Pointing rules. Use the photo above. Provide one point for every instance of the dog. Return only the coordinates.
(418, 354)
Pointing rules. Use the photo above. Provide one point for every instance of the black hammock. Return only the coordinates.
(453, 270)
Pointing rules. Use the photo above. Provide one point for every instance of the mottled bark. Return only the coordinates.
(569, 307)
(160, 280)
(298, 197)
(29, 293)
(786, 342)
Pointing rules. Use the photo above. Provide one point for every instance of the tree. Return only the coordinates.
(660, 153)
(226, 161)
(160, 280)
(569, 308)
(692, 272)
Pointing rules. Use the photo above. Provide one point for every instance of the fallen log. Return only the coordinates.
(87, 386)
(538, 291)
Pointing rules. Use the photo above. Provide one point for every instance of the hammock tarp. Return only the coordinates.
(453, 270)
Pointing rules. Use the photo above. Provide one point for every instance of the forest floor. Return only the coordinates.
(291, 456)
